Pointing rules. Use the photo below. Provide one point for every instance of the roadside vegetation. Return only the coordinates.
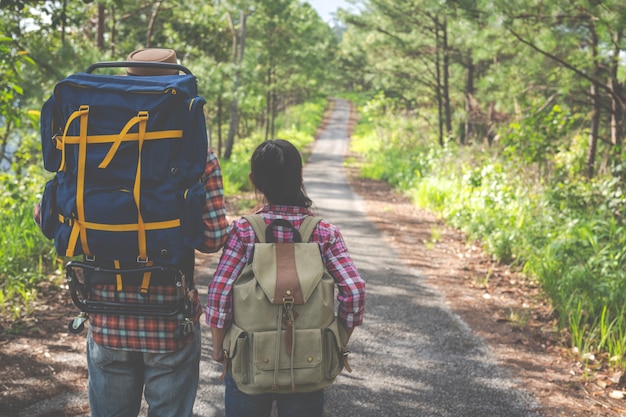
(506, 118)
(566, 234)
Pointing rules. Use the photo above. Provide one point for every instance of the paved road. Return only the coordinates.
(412, 357)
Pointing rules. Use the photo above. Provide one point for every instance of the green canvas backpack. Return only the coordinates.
(285, 337)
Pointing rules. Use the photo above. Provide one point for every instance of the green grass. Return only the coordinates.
(26, 256)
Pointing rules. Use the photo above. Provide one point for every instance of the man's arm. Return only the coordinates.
(214, 210)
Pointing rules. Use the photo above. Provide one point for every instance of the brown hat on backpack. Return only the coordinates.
(152, 55)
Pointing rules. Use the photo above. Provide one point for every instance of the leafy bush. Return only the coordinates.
(26, 256)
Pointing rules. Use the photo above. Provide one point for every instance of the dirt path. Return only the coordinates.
(496, 360)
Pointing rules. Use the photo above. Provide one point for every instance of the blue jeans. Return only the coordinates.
(239, 404)
(117, 379)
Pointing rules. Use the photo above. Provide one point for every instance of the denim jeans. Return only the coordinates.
(239, 404)
(117, 379)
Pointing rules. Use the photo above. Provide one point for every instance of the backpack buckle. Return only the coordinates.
(68, 221)
(288, 301)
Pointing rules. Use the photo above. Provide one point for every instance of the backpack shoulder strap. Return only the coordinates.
(258, 224)
(307, 227)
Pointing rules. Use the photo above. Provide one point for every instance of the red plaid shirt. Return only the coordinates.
(214, 213)
(238, 251)
(157, 334)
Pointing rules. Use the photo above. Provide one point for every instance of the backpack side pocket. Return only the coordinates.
(194, 157)
(50, 127)
(49, 211)
(236, 344)
(191, 222)
(332, 352)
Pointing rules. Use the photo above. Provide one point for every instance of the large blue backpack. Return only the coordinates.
(128, 152)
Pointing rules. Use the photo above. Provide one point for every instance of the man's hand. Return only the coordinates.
(37, 214)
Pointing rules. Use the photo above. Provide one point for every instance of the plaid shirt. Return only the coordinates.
(157, 334)
(214, 212)
(239, 249)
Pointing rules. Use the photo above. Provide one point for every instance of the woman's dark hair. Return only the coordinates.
(276, 171)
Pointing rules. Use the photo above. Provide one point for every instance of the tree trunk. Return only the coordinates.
(153, 18)
(617, 107)
(63, 21)
(595, 107)
(274, 111)
(5, 141)
(113, 29)
(268, 102)
(469, 93)
(438, 84)
(101, 26)
(446, 77)
(219, 125)
(237, 60)
(617, 113)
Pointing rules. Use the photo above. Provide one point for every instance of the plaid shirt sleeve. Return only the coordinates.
(214, 210)
(351, 286)
(219, 311)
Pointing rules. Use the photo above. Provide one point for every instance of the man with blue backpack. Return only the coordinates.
(137, 190)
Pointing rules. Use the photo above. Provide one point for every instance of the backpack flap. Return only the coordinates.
(296, 267)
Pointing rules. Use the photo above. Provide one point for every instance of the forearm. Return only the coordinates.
(217, 335)
(214, 211)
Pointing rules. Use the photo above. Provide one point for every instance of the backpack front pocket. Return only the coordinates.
(275, 367)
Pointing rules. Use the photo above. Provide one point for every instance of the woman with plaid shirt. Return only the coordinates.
(276, 172)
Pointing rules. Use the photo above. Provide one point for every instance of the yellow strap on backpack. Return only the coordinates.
(78, 229)
(118, 277)
(79, 224)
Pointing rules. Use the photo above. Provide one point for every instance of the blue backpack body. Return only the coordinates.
(128, 152)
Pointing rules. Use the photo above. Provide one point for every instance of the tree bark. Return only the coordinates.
(238, 53)
(113, 30)
(595, 107)
(438, 86)
(101, 26)
(153, 18)
(268, 102)
(446, 77)
(469, 93)
(219, 125)
(617, 109)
